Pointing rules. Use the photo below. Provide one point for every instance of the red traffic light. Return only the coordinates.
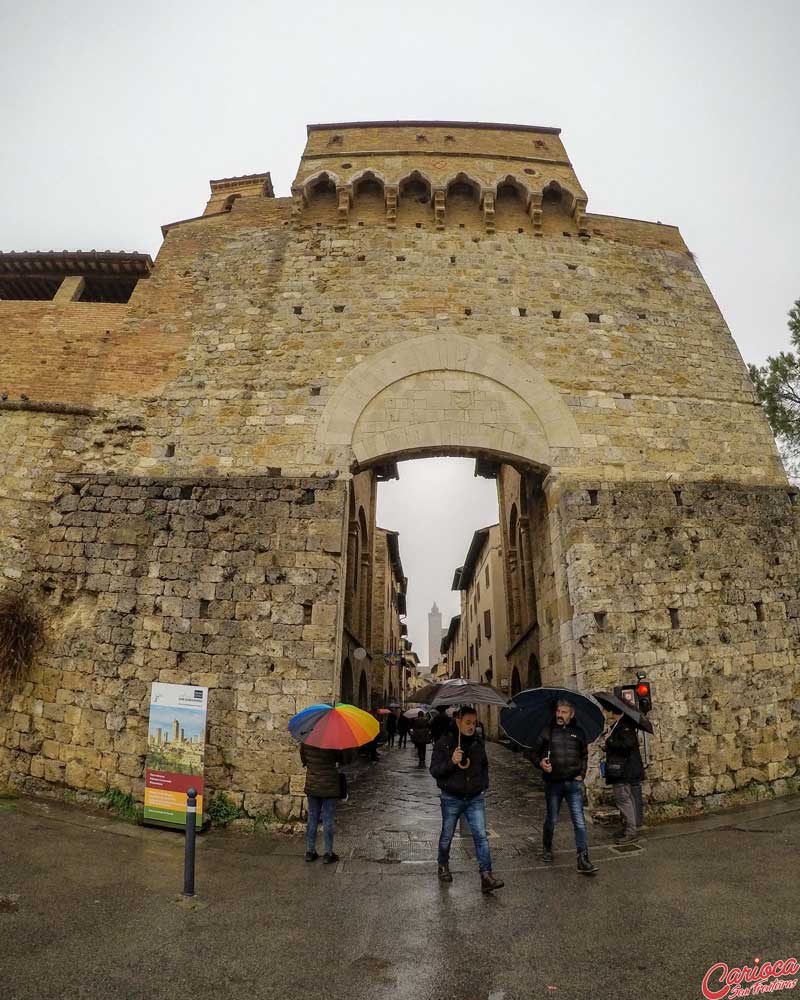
(642, 689)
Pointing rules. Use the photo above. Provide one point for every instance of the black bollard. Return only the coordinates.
(188, 856)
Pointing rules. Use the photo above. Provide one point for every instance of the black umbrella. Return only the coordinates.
(533, 709)
(612, 701)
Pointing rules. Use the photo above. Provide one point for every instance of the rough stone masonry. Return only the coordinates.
(179, 441)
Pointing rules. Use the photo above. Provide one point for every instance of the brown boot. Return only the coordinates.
(489, 883)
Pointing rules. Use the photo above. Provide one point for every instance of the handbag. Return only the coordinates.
(343, 786)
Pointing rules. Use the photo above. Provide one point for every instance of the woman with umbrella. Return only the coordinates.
(623, 768)
(324, 732)
(559, 725)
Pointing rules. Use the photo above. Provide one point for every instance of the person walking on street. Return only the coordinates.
(623, 770)
(461, 769)
(561, 752)
(439, 724)
(322, 789)
(391, 728)
(403, 726)
(420, 736)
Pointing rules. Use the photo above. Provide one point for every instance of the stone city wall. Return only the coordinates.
(230, 584)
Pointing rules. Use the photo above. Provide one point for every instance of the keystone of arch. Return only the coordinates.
(444, 352)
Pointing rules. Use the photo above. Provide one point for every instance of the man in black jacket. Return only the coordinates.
(561, 752)
(623, 770)
(461, 769)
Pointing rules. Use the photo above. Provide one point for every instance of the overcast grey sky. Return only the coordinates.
(116, 115)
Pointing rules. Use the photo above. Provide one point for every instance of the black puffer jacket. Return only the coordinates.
(452, 779)
(568, 749)
(623, 754)
(322, 773)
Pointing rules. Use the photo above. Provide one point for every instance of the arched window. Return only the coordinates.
(369, 202)
(515, 591)
(414, 206)
(228, 203)
(362, 622)
(556, 219)
(462, 203)
(510, 206)
(347, 682)
(516, 685)
(321, 201)
(534, 672)
(363, 693)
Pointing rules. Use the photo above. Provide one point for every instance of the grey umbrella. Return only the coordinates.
(608, 700)
(464, 692)
(460, 691)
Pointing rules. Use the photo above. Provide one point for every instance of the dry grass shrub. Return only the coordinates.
(20, 637)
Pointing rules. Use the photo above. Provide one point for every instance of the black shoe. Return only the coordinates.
(444, 874)
(489, 883)
(330, 859)
(547, 856)
(311, 855)
(626, 837)
(585, 866)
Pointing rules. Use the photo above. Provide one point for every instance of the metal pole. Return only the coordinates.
(188, 857)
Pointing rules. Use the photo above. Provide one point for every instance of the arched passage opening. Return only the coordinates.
(426, 399)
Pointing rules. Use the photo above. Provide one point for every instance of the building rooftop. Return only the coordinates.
(413, 123)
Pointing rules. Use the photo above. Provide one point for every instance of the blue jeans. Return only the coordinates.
(555, 792)
(475, 811)
(327, 807)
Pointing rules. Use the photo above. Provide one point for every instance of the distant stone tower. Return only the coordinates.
(434, 634)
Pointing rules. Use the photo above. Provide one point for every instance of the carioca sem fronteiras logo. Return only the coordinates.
(722, 983)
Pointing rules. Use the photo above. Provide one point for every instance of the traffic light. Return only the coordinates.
(644, 696)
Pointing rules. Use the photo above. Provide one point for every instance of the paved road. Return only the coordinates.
(98, 917)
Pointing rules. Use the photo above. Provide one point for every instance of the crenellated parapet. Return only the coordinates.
(439, 175)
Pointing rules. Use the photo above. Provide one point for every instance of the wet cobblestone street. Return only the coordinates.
(393, 814)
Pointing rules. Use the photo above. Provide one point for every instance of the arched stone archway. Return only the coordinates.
(467, 397)
(516, 683)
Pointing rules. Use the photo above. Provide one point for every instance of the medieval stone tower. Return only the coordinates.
(434, 634)
(190, 451)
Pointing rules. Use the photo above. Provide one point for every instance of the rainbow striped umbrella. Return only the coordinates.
(333, 727)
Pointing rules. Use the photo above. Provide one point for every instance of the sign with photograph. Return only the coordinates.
(176, 739)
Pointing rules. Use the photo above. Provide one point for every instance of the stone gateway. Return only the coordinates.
(190, 452)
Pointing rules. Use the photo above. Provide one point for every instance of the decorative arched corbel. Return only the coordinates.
(344, 194)
(391, 206)
(438, 207)
(488, 211)
(535, 212)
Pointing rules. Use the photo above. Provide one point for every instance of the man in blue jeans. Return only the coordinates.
(461, 768)
(561, 752)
